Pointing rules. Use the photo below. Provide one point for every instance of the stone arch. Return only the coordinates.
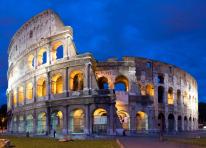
(21, 94)
(121, 83)
(76, 80)
(149, 90)
(77, 121)
(29, 123)
(178, 96)
(57, 84)
(160, 79)
(41, 123)
(185, 123)
(124, 119)
(179, 126)
(29, 91)
(161, 119)
(171, 123)
(42, 56)
(57, 51)
(57, 121)
(14, 97)
(161, 92)
(100, 121)
(41, 87)
(170, 96)
(103, 83)
(31, 61)
(142, 121)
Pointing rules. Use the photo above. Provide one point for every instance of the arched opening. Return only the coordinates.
(29, 123)
(178, 97)
(77, 118)
(42, 56)
(185, 124)
(57, 84)
(57, 121)
(149, 90)
(121, 83)
(142, 121)
(41, 87)
(100, 121)
(161, 119)
(29, 91)
(76, 81)
(103, 83)
(15, 124)
(160, 79)
(15, 97)
(171, 123)
(21, 124)
(124, 119)
(41, 123)
(179, 123)
(170, 96)
(161, 94)
(21, 95)
(31, 61)
(57, 51)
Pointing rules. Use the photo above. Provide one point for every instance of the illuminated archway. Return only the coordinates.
(149, 90)
(103, 83)
(41, 123)
(170, 96)
(57, 121)
(77, 118)
(121, 83)
(142, 121)
(124, 119)
(100, 121)
(41, 87)
(31, 61)
(42, 56)
(15, 97)
(57, 51)
(76, 80)
(21, 94)
(57, 84)
(21, 124)
(29, 123)
(29, 91)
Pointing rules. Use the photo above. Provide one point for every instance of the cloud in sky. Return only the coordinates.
(172, 31)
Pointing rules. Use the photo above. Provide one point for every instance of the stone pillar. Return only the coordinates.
(133, 119)
(25, 97)
(49, 54)
(66, 82)
(166, 122)
(87, 129)
(65, 120)
(86, 77)
(176, 123)
(34, 89)
(17, 96)
(48, 121)
(48, 91)
(111, 120)
(35, 120)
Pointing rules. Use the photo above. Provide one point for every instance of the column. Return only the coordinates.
(65, 120)
(133, 120)
(25, 97)
(48, 121)
(48, 91)
(87, 79)
(87, 129)
(34, 89)
(49, 54)
(66, 82)
(17, 96)
(111, 120)
(35, 119)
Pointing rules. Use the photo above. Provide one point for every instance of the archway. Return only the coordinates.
(149, 90)
(185, 124)
(15, 97)
(41, 87)
(178, 97)
(103, 83)
(57, 84)
(161, 119)
(100, 121)
(142, 121)
(160, 94)
(170, 96)
(42, 56)
(57, 121)
(29, 123)
(29, 91)
(57, 51)
(121, 83)
(124, 119)
(77, 121)
(76, 80)
(21, 95)
(171, 123)
(41, 123)
(31, 61)
(179, 123)
(21, 124)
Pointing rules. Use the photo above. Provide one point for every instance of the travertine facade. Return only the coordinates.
(52, 88)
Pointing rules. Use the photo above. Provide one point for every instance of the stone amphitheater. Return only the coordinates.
(51, 88)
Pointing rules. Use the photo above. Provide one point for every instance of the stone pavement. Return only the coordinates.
(144, 142)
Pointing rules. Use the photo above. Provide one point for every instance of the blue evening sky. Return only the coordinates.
(172, 31)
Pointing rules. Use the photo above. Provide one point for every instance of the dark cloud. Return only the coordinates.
(172, 31)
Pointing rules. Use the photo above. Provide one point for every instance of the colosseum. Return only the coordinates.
(51, 88)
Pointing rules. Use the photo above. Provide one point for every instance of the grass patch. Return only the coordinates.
(23, 142)
(193, 141)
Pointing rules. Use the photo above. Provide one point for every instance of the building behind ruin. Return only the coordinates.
(52, 88)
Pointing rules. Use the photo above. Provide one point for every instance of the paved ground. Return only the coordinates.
(139, 142)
